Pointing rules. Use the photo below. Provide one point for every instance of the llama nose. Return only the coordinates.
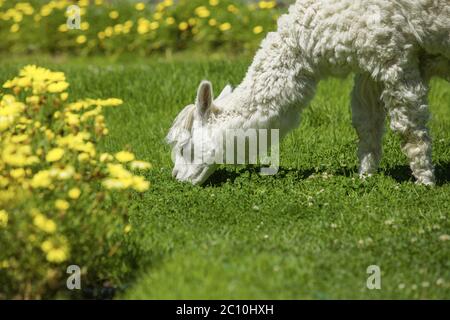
(174, 173)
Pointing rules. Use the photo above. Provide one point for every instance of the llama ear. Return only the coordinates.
(204, 96)
(225, 92)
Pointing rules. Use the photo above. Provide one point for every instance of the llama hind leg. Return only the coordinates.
(368, 116)
(408, 110)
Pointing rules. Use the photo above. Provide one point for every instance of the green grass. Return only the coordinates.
(308, 232)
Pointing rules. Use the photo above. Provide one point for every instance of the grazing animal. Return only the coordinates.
(393, 46)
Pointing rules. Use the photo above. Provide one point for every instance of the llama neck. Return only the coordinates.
(278, 81)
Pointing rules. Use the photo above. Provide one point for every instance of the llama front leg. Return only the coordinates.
(408, 110)
(368, 116)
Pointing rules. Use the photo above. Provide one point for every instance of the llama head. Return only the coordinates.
(192, 136)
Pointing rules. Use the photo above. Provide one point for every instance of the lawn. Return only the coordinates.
(309, 232)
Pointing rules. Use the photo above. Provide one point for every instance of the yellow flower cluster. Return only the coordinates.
(38, 80)
(56, 249)
(42, 222)
(145, 25)
(48, 156)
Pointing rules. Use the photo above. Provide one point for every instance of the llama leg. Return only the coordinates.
(368, 116)
(408, 110)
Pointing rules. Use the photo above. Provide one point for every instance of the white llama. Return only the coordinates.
(393, 47)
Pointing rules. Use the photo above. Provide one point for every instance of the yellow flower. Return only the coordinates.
(50, 226)
(14, 28)
(154, 25)
(17, 173)
(183, 26)
(62, 173)
(232, 8)
(257, 30)
(124, 156)
(202, 12)
(141, 165)
(81, 39)
(18, 155)
(49, 134)
(142, 28)
(46, 246)
(33, 99)
(105, 157)
(157, 15)
(84, 25)
(56, 249)
(43, 223)
(170, 20)
(114, 184)
(114, 14)
(107, 102)
(54, 155)
(267, 4)
(24, 7)
(74, 193)
(46, 10)
(58, 86)
(213, 2)
(82, 157)
(140, 6)
(118, 171)
(127, 228)
(3, 218)
(139, 184)
(271, 4)
(225, 26)
(19, 138)
(108, 31)
(121, 178)
(118, 28)
(42, 179)
(57, 255)
(62, 205)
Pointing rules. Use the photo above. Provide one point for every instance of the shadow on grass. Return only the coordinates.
(104, 289)
(223, 175)
(400, 173)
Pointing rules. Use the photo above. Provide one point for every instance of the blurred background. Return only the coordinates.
(138, 27)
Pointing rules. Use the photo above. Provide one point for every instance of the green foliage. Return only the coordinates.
(61, 201)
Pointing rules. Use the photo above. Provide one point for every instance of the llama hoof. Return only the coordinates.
(426, 181)
(364, 175)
